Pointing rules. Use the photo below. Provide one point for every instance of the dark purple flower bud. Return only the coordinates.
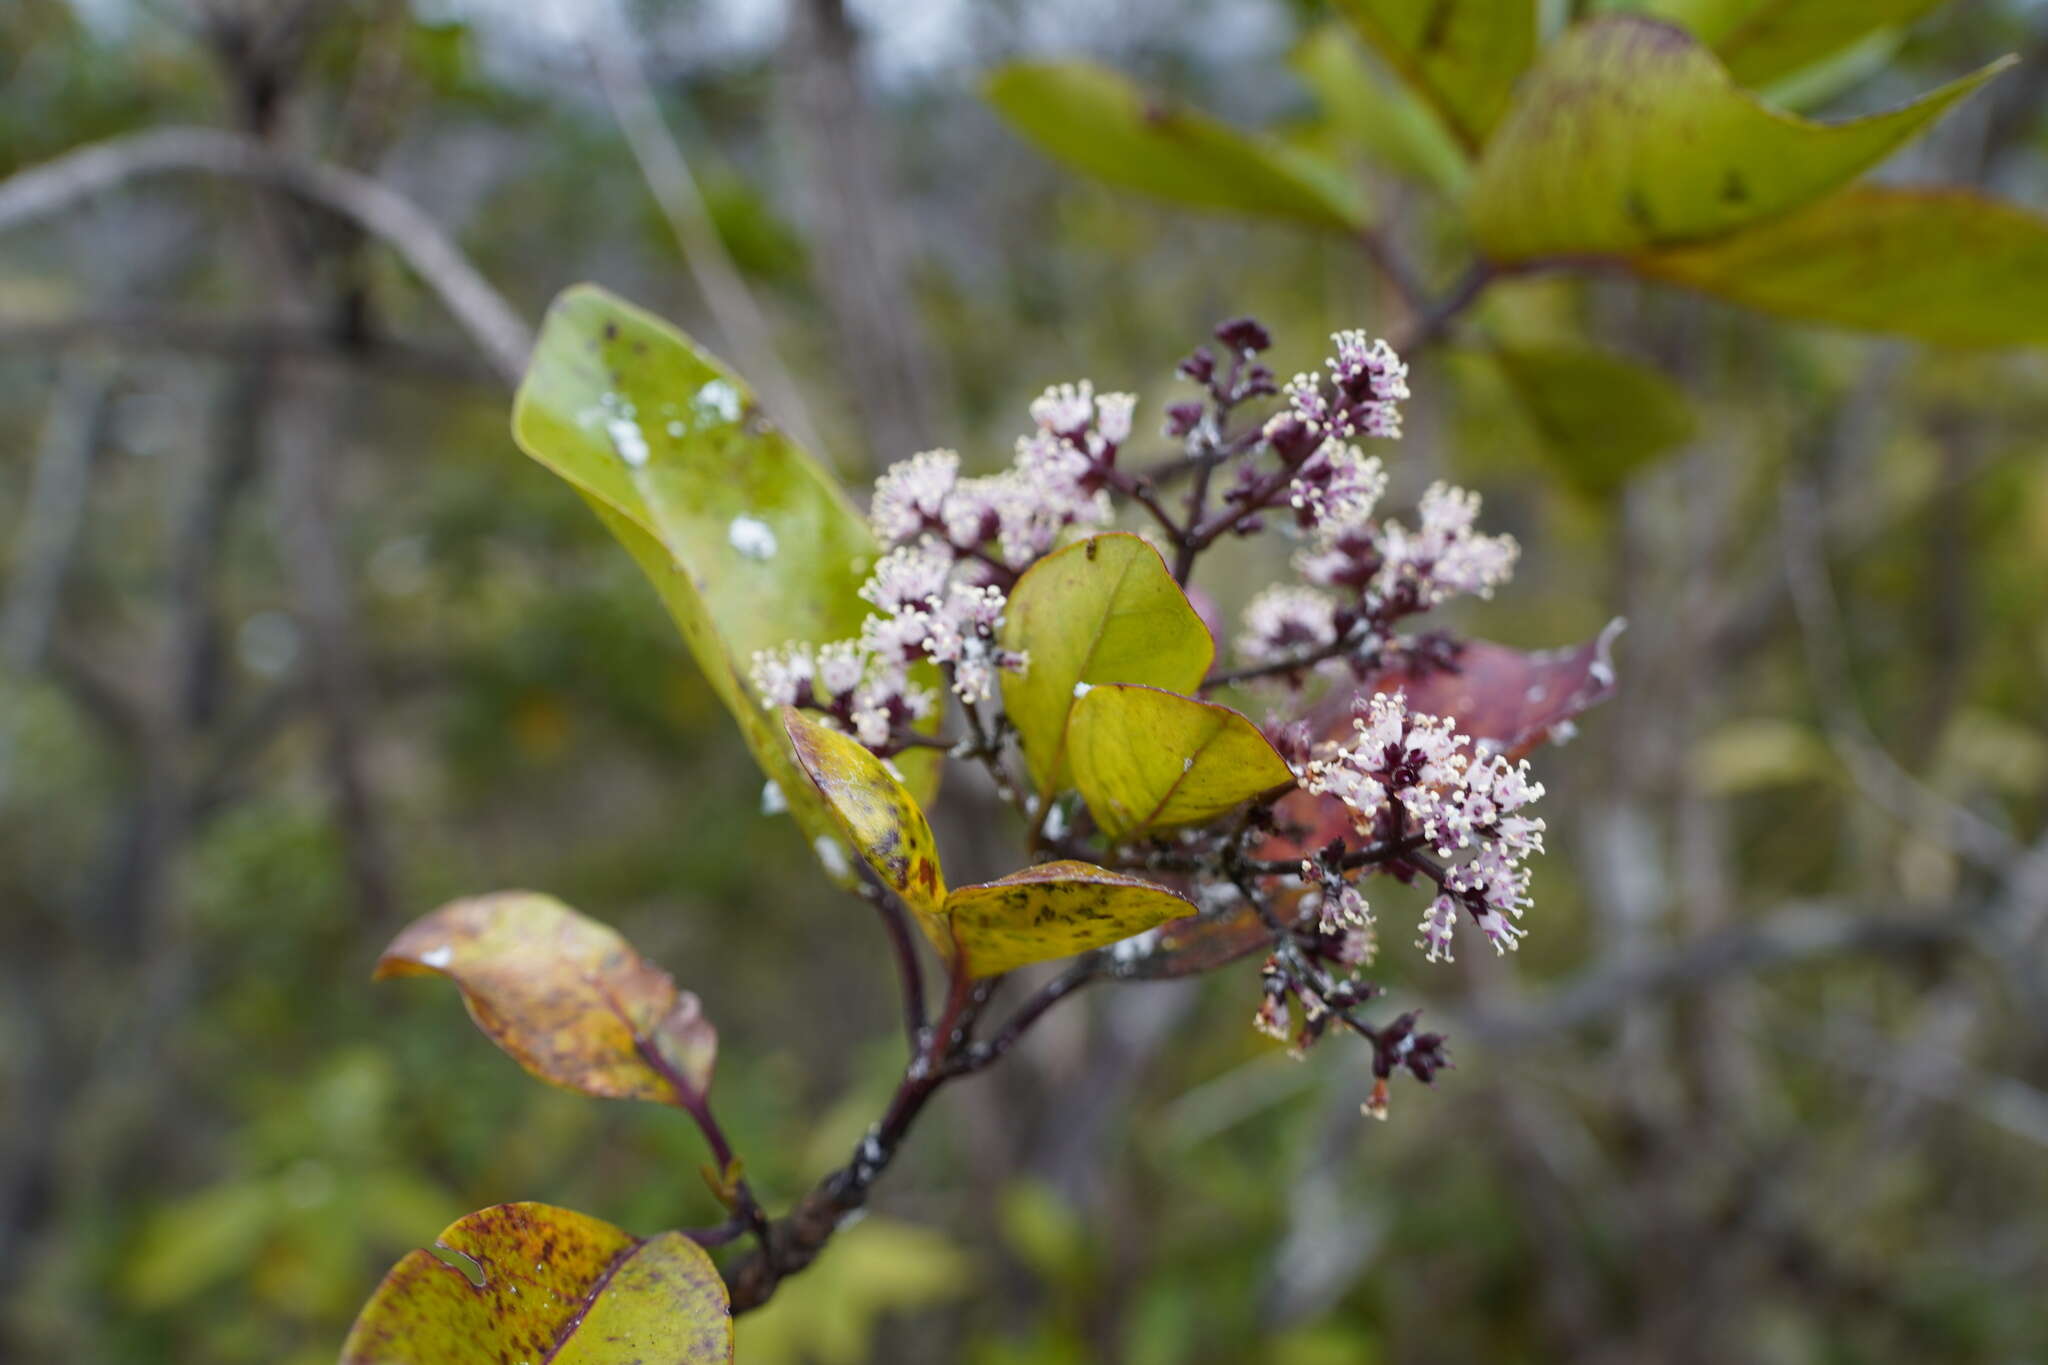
(1200, 365)
(1292, 439)
(1258, 382)
(1182, 418)
(1243, 334)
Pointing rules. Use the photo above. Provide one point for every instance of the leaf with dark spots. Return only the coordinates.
(1509, 700)
(874, 813)
(547, 1286)
(1053, 910)
(1949, 266)
(1628, 134)
(566, 997)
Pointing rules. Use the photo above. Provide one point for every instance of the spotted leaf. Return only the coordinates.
(1630, 135)
(529, 1282)
(566, 997)
(871, 809)
(1053, 910)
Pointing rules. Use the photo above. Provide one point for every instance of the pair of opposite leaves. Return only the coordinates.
(1112, 642)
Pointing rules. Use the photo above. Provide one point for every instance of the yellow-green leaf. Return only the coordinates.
(1630, 135)
(1146, 759)
(1102, 611)
(529, 1282)
(1098, 123)
(1597, 415)
(1053, 910)
(1384, 118)
(1947, 266)
(566, 997)
(1761, 40)
(1463, 56)
(871, 808)
(750, 542)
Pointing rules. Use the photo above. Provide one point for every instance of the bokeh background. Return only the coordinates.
(297, 645)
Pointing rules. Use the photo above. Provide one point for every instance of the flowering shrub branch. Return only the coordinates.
(998, 620)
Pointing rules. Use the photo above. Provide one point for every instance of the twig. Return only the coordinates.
(896, 924)
(490, 321)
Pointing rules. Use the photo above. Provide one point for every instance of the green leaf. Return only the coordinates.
(566, 997)
(1100, 124)
(1599, 416)
(528, 1282)
(1629, 135)
(880, 818)
(1146, 759)
(749, 541)
(1053, 910)
(1761, 40)
(1463, 56)
(1104, 610)
(1942, 265)
(1384, 118)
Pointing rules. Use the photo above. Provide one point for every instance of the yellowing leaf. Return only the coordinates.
(1463, 56)
(1947, 266)
(1761, 40)
(1629, 135)
(750, 542)
(565, 996)
(1146, 759)
(529, 1282)
(885, 826)
(1103, 611)
(1053, 910)
(1100, 124)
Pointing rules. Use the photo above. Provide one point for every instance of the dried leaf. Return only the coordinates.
(566, 997)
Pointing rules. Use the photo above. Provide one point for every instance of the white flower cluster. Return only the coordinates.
(869, 697)
(1388, 570)
(1368, 383)
(1405, 772)
(928, 613)
(1053, 484)
(933, 595)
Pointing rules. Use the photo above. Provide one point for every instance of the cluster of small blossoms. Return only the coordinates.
(1334, 933)
(1368, 572)
(867, 697)
(1002, 522)
(925, 611)
(953, 542)
(1407, 774)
